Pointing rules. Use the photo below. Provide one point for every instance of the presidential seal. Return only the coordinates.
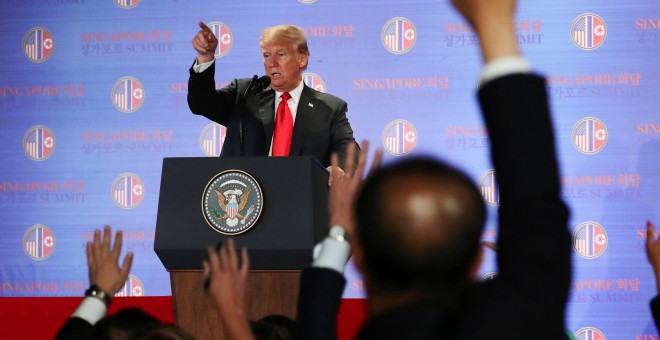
(232, 202)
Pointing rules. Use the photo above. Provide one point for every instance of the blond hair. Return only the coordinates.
(285, 34)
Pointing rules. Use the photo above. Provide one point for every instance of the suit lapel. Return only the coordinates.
(267, 113)
(303, 115)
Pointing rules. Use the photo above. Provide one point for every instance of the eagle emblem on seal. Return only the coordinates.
(232, 202)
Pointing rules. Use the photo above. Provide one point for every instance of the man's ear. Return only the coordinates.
(303, 59)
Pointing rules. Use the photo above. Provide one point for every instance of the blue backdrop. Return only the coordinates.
(93, 96)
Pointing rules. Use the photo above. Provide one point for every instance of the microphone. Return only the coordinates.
(257, 85)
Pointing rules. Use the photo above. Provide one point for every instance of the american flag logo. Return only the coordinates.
(314, 81)
(132, 287)
(127, 190)
(127, 3)
(38, 242)
(212, 138)
(489, 189)
(399, 137)
(589, 135)
(589, 333)
(38, 143)
(224, 36)
(399, 35)
(127, 94)
(38, 44)
(589, 240)
(588, 31)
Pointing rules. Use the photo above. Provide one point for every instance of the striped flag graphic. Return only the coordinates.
(38, 44)
(399, 35)
(224, 36)
(38, 143)
(127, 190)
(589, 240)
(39, 242)
(489, 188)
(127, 94)
(399, 137)
(212, 138)
(588, 31)
(314, 81)
(589, 135)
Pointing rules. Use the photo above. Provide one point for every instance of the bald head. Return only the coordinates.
(419, 222)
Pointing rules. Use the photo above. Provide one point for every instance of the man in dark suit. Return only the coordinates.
(319, 122)
(418, 223)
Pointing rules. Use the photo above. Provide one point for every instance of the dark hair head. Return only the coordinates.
(273, 327)
(126, 323)
(419, 222)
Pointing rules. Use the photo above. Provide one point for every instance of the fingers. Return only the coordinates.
(96, 244)
(245, 261)
(350, 159)
(232, 259)
(116, 248)
(126, 266)
(378, 157)
(214, 261)
(362, 159)
(105, 242)
(650, 235)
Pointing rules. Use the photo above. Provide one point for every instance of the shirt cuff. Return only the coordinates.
(332, 253)
(199, 68)
(503, 67)
(91, 310)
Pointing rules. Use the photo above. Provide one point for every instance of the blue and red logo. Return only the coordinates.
(212, 138)
(126, 4)
(39, 143)
(489, 189)
(399, 35)
(588, 31)
(38, 242)
(132, 287)
(589, 135)
(38, 44)
(314, 81)
(399, 137)
(589, 333)
(589, 239)
(127, 94)
(224, 36)
(127, 190)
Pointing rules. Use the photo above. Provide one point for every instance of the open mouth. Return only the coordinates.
(275, 75)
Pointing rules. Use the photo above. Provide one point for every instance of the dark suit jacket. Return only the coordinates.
(320, 128)
(527, 299)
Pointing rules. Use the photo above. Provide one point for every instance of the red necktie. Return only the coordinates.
(283, 128)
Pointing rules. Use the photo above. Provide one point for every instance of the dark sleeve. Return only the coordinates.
(76, 329)
(205, 100)
(342, 135)
(534, 245)
(318, 304)
(655, 311)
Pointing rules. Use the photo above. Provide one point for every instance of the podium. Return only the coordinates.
(293, 217)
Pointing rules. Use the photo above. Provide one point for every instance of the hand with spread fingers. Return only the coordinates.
(227, 278)
(103, 261)
(205, 44)
(344, 190)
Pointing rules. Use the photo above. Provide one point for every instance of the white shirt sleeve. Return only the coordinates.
(504, 66)
(332, 253)
(91, 310)
(199, 68)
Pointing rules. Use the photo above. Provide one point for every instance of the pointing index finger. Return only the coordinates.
(203, 26)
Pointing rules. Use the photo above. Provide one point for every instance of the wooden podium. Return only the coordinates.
(293, 219)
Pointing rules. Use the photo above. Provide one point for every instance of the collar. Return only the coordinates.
(295, 93)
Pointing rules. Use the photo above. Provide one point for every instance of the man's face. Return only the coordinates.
(283, 65)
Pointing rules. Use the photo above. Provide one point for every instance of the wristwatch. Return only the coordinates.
(97, 292)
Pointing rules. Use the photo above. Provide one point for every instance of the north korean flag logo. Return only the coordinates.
(589, 135)
(212, 138)
(589, 240)
(224, 36)
(399, 35)
(126, 4)
(127, 190)
(399, 137)
(127, 94)
(489, 189)
(39, 143)
(38, 242)
(132, 287)
(38, 44)
(589, 333)
(588, 31)
(314, 81)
